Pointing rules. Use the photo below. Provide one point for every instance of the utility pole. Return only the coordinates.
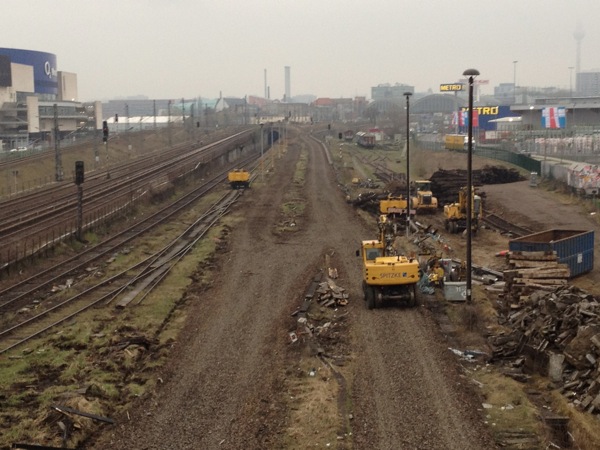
(169, 124)
(154, 112)
(471, 73)
(407, 95)
(262, 170)
(183, 113)
(58, 175)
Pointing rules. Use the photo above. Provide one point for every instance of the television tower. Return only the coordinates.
(579, 34)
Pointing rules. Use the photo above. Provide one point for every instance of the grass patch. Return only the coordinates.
(312, 401)
(86, 361)
(294, 205)
(507, 408)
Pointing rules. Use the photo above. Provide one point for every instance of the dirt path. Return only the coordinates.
(223, 387)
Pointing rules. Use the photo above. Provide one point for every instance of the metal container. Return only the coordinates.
(573, 248)
(455, 291)
(533, 179)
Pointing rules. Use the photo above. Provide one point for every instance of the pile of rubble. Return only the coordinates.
(556, 334)
(531, 272)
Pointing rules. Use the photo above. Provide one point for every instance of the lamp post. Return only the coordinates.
(514, 81)
(471, 73)
(407, 95)
(58, 172)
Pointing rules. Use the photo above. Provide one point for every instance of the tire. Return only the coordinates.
(370, 297)
(412, 291)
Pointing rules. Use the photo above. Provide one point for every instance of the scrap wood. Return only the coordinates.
(23, 446)
(63, 409)
(533, 256)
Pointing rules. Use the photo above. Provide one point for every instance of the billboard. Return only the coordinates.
(554, 117)
(451, 87)
(484, 114)
(45, 71)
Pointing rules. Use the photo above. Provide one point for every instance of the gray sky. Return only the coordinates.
(335, 48)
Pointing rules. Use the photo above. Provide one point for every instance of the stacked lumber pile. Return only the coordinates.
(533, 271)
(556, 334)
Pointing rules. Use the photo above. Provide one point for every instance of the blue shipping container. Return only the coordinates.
(573, 248)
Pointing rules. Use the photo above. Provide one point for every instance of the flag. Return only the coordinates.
(554, 117)
(475, 118)
(464, 118)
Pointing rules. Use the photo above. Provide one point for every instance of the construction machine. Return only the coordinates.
(239, 179)
(394, 209)
(456, 213)
(424, 202)
(387, 275)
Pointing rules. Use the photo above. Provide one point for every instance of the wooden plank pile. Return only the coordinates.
(558, 335)
(331, 295)
(533, 271)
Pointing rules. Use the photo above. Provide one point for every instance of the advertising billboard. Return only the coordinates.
(451, 87)
(44, 68)
(485, 114)
(554, 117)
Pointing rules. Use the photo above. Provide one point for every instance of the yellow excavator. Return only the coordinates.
(394, 209)
(387, 275)
(456, 213)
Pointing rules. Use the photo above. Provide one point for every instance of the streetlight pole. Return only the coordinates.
(471, 73)
(515, 81)
(58, 173)
(407, 95)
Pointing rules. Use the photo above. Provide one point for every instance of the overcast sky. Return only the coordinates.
(335, 48)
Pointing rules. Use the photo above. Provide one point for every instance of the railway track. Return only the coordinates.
(130, 285)
(498, 223)
(37, 221)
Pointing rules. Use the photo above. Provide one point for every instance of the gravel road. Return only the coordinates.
(223, 386)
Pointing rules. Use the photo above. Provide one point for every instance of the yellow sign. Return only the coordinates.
(485, 110)
(451, 87)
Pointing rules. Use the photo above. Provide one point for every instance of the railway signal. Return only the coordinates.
(79, 172)
(105, 131)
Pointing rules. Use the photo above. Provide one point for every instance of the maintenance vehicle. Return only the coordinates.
(424, 202)
(387, 275)
(239, 179)
(456, 213)
(394, 208)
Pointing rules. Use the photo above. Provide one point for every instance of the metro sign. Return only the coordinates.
(451, 87)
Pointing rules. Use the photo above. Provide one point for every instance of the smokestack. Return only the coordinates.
(266, 93)
(287, 84)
